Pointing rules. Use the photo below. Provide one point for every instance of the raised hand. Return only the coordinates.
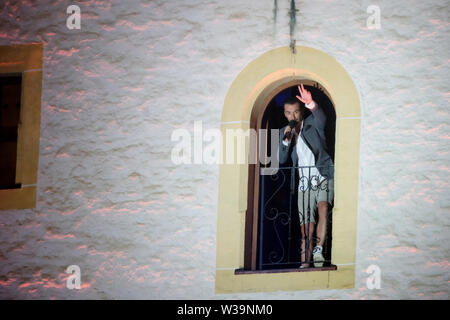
(305, 96)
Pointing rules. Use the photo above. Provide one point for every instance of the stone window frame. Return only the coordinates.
(247, 98)
(25, 59)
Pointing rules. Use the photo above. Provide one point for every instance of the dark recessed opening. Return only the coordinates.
(10, 104)
(279, 241)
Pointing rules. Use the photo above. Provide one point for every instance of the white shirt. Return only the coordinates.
(306, 159)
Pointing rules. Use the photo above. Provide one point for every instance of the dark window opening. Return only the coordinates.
(10, 103)
(279, 243)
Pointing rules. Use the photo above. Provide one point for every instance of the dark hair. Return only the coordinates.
(292, 100)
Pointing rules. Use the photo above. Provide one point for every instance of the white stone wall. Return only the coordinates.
(110, 200)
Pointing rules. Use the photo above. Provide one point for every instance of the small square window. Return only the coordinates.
(20, 115)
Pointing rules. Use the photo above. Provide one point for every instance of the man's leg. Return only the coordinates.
(307, 230)
(325, 194)
(322, 223)
(306, 206)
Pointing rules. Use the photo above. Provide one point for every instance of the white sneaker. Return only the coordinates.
(318, 257)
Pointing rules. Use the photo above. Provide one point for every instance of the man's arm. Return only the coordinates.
(318, 115)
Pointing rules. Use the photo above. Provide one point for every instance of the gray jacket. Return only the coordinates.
(314, 136)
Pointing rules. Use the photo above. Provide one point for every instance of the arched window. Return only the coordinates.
(245, 107)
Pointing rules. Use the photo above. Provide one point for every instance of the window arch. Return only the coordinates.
(244, 105)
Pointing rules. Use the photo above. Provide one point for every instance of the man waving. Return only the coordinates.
(304, 141)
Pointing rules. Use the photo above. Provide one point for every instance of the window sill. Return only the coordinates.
(327, 268)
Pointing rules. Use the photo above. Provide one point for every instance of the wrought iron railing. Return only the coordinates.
(280, 241)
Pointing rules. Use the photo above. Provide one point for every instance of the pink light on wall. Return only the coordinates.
(404, 249)
(67, 53)
(57, 236)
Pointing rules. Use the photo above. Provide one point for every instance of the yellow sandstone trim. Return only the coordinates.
(22, 198)
(20, 57)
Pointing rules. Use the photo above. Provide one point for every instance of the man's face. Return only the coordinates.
(292, 112)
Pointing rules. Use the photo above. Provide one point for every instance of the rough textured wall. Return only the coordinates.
(111, 201)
